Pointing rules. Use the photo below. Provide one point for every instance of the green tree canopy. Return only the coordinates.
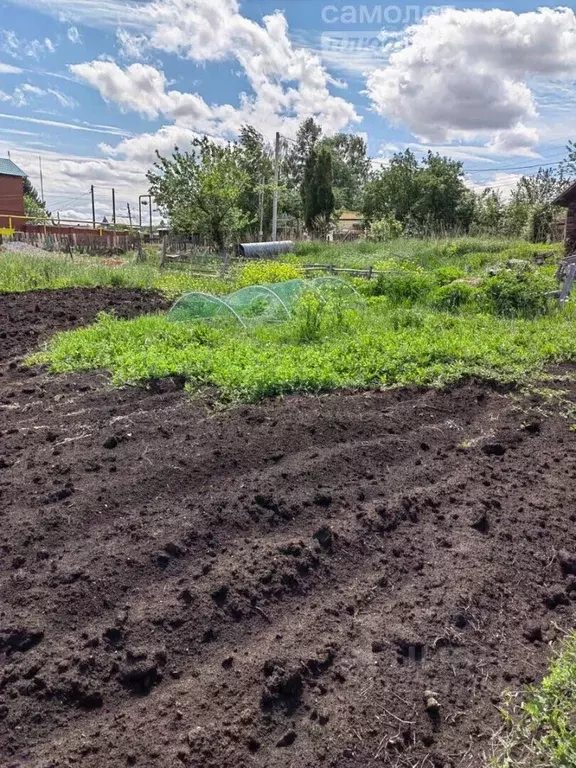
(33, 204)
(424, 196)
(201, 190)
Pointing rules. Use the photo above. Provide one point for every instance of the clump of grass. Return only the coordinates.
(541, 731)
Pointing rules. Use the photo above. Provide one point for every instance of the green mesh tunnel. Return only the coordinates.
(269, 303)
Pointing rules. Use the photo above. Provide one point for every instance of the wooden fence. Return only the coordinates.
(67, 240)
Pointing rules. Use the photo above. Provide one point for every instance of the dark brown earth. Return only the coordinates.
(273, 585)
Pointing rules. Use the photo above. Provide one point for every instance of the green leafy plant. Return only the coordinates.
(404, 287)
(448, 274)
(454, 296)
(262, 272)
(386, 228)
(517, 294)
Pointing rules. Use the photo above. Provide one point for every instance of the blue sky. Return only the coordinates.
(95, 86)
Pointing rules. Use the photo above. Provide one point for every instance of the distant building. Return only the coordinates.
(350, 221)
(11, 196)
(567, 199)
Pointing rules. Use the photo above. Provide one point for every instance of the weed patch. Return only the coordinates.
(541, 731)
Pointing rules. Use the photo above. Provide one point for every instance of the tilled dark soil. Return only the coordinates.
(349, 580)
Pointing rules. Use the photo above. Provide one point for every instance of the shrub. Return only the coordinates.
(516, 294)
(262, 272)
(404, 287)
(386, 228)
(454, 296)
(447, 275)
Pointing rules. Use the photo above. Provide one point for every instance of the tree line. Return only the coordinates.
(223, 191)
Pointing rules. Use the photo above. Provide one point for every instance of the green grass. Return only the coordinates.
(541, 731)
(20, 272)
(472, 254)
(379, 346)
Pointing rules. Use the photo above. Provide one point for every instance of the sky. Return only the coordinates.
(95, 87)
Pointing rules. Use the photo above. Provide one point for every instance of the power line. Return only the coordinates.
(516, 168)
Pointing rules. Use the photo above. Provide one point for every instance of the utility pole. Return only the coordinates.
(261, 209)
(93, 207)
(276, 180)
(129, 214)
(41, 179)
(150, 211)
(114, 206)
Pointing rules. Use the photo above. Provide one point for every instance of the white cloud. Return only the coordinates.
(18, 47)
(131, 46)
(70, 126)
(140, 88)
(288, 82)
(502, 183)
(74, 35)
(102, 14)
(67, 181)
(8, 69)
(143, 147)
(465, 74)
(63, 100)
(26, 93)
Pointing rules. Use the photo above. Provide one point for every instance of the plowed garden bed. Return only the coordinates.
(272, 585)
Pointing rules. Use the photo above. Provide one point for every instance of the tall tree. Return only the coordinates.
(256, 160)
(201, 191)
(296, 156)
(351, 166)
(317, 191)
(393, 189)
(33, 204)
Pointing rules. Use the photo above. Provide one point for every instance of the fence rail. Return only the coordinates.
(367, 272)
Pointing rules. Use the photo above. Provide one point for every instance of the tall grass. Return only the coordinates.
(19, 272)
(469, 253)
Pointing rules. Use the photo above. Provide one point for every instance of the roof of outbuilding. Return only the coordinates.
(567, 196)
(8, 168)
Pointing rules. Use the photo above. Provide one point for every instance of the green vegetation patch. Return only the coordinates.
(20, 272)
(541, 732)
(323, 347)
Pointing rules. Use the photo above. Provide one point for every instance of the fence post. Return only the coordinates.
(370, 268)
(164, 251)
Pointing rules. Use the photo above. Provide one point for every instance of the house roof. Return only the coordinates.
(8, 168)
(351, 216)
(567, 196)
